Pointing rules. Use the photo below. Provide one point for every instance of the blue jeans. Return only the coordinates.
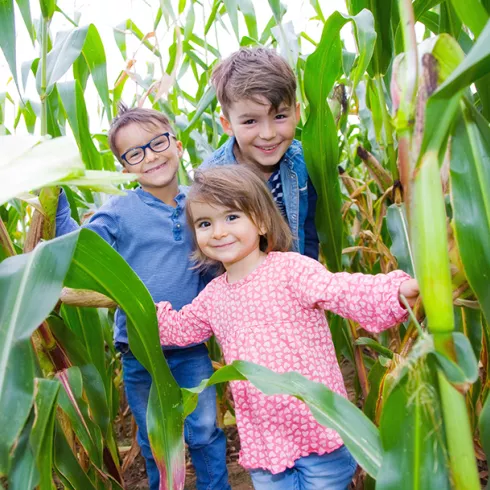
(332, 471)
(206, 442)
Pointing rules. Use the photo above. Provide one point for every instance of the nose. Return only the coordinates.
(267, 130)
(219, 230)
(150, 155)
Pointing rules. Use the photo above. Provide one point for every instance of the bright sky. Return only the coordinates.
(106, 14)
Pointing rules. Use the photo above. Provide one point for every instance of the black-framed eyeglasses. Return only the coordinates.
(137, 154)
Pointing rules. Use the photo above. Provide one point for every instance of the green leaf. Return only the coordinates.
(484, 426)
(67, 464)
(75, 407)
(73, 100)
(232, 10)
(412, 435)
(278, 10)
(472, 13)
(443, 104)
(247, 9)
(47, 8)
(42, 435)
(470, 181)
(396, 220)
(7, 35)
(20, 170)
(94, 53)
(23, 474)
(381, 11)
(359, 434)
(376, 346)
(39, 275)
(206, 100)
(465, 371)
(319, 135)
(97, 266)
(26, 15)
(66, 50)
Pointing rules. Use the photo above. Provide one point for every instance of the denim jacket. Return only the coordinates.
(299, 194)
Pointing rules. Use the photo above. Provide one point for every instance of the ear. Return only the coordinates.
(298, 112)
(226, 125)
(180, 148)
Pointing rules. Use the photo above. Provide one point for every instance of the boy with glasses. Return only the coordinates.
(147, 227)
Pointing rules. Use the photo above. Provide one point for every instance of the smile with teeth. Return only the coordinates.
(267, 149)
(158, 167)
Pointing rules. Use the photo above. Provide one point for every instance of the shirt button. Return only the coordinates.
(178, 225)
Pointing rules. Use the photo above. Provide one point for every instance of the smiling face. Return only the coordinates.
(227, 236)
(262, 134)
(158, 169)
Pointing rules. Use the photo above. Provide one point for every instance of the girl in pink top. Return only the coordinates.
(268, 308)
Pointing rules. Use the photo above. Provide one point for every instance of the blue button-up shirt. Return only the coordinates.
(298, 193)
(152, 237)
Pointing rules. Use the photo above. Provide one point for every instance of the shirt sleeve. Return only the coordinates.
(190, 325)
(370, 300)
(103, 222)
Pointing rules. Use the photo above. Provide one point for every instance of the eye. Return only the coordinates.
(281, 116)
(249, 121)
(134, 155)
(161, 143)
(232, 217)
(203, 224)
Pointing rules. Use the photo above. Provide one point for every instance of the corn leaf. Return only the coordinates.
(412, 435)
(359, 434)
(98, 267)
(7, 36)
(42, 435)
(470, 181)
(472, 13)
(319, 135)
(39, 275)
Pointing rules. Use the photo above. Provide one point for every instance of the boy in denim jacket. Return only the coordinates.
(256, 89)
(148, 228)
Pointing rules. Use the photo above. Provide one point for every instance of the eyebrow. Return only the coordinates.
(228, 210)
(281, 108)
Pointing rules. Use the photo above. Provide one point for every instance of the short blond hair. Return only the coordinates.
(241, 188)
(250, 73)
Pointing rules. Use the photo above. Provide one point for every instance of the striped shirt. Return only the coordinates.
(275, 186)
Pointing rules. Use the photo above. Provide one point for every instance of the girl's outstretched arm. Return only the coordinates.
(371, 300)
(188, 326)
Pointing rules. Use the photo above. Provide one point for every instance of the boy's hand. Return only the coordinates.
(409, 289)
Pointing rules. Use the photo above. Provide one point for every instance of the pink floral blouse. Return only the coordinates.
(274, 317)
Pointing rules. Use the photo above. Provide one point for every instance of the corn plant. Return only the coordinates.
(396, 140)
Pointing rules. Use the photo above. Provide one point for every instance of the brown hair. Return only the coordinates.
(252, 72)
(242, 188)
(136, 115)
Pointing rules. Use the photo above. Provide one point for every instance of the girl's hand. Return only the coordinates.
(409, 289)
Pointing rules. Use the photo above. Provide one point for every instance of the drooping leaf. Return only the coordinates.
(359, 434)
(98, 267)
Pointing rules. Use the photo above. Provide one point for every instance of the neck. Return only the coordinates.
(265, 170)
(237, 271)
(165, 194)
